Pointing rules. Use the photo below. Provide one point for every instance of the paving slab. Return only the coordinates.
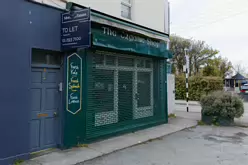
(98, 149)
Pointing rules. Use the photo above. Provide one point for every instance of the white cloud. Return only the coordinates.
(221, 23)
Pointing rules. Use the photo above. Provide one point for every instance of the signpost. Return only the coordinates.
(187, 78)
(75, 29)
(74, 84)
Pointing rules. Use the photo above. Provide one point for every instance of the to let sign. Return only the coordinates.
(74, 84)
(75, 29)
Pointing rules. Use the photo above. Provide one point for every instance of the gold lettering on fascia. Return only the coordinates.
(129, 37)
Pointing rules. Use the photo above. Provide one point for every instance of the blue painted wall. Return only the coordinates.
(23, 25)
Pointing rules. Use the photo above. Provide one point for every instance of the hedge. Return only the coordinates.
(198, 86)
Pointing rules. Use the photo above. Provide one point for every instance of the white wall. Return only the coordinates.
(150, 13)
(111, 7)
(171, 93)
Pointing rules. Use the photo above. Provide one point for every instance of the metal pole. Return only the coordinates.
(187, 79)
(187, 89)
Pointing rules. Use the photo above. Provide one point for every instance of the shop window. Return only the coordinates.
(148, 63)
(103, 94)
(126, 9)
(110, 60)
(143, 63)
(123, 61)
(140, 63)
(144, 88)
(46, 57)
(98, 59)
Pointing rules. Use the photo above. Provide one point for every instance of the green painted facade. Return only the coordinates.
(121, 83)
(74, 84)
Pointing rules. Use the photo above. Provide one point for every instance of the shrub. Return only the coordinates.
(222, 104)
(198, 86)
(172, 115)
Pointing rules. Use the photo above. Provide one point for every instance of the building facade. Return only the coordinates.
(75, 74)
(152, 14)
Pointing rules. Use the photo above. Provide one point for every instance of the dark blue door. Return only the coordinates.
(45, 101)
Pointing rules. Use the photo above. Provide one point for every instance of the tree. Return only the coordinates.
(225, 67)
(217, 66)
(199, 53)
(177, 46)
(210, 71)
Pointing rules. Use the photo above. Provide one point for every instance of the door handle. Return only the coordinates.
(60, 87)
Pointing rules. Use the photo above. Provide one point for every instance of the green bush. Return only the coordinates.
(198, 86)
(222, 104)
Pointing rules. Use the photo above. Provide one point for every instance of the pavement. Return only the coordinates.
(205, 145)
(175, 143)
(112, 145)
(201, 145)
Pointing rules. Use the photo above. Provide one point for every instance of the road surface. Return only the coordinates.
(203, 145)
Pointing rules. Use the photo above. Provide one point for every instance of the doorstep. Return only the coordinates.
(98, 149)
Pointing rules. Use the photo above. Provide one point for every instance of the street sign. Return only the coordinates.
(75, 29)
(186, 66)
(74, 84)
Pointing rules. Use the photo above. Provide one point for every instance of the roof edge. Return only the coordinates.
(73, 6)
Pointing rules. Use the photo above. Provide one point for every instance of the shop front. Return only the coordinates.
(115, 84)
(75, 80)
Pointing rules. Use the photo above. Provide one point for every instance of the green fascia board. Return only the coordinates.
(123, 40)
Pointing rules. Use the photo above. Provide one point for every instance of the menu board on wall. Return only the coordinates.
(74, 84)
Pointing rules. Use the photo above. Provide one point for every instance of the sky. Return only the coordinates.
(223, 24)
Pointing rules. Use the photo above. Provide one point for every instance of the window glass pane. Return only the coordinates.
(140, 63)
(148, 64)
(38, 58)
(47, 57)
(125, 11)
(54, 59)
(123, 61)
(98, 59)
(103, 87)
(144, 89)
(125, 95)
(110, 60)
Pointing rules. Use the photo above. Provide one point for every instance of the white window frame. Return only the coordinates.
(127, 5)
